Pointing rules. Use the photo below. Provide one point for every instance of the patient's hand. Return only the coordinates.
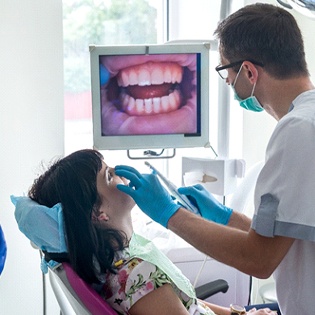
(220, 310)
(262, 311)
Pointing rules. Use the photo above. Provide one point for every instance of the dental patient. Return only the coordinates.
(77, 201)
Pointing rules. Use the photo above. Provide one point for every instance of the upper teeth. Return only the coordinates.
(150, 73)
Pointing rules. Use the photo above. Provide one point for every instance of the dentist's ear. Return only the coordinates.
(251, 71)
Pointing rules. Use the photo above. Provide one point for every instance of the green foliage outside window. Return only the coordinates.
(102, 23)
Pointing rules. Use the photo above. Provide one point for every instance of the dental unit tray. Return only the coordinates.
(182, 199)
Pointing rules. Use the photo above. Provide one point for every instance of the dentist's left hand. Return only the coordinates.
(147, 191)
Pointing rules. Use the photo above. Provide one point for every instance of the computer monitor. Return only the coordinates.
(150, 96)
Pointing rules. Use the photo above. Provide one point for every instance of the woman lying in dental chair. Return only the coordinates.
(78, 194)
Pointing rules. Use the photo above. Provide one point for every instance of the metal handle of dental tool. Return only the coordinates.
(173, 190)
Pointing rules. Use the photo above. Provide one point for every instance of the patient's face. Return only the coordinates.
(113, 200)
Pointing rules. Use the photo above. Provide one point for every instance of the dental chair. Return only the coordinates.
(75, 296)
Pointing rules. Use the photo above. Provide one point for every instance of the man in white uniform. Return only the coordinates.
(284, 202)
(262, 58)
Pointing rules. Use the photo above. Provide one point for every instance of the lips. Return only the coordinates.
(150, 88)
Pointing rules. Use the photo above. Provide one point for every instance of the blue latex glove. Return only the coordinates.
(209, 207)
(3, 250)
(146, 190)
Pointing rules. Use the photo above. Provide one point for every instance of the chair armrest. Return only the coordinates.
(211, 288)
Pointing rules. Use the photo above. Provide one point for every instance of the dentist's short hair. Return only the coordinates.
(265, 33)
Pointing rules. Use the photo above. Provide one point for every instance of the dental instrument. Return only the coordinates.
(173, 190)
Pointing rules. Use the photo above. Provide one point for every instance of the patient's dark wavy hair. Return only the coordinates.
(71, 181)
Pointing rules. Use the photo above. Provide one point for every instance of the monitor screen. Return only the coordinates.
(150, 96)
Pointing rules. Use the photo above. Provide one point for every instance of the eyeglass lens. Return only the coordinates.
(223, 73)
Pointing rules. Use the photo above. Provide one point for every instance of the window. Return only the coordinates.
(115, 22)
(102, 23)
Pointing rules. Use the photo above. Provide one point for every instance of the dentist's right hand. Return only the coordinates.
(209, 207)
(147, 191)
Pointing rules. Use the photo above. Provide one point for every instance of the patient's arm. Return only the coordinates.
(162, 301)
(219, 310)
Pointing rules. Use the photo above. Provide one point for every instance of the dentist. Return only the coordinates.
(263, 59)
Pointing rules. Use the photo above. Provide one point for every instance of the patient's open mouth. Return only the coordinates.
(150, 88)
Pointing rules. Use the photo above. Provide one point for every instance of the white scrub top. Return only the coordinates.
(285, 203)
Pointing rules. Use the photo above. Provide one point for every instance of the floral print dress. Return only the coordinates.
(135, 278)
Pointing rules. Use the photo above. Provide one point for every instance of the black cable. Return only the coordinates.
(152, 153)
(250, 290)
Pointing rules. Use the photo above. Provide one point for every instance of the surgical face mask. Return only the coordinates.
(249, 103)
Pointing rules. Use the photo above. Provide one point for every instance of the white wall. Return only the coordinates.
(31, 128)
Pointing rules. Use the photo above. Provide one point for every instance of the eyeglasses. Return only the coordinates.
(222, 70)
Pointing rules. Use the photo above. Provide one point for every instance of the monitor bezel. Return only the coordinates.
(130, 142)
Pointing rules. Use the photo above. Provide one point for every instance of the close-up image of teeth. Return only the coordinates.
(153, 94)
(150, 88)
